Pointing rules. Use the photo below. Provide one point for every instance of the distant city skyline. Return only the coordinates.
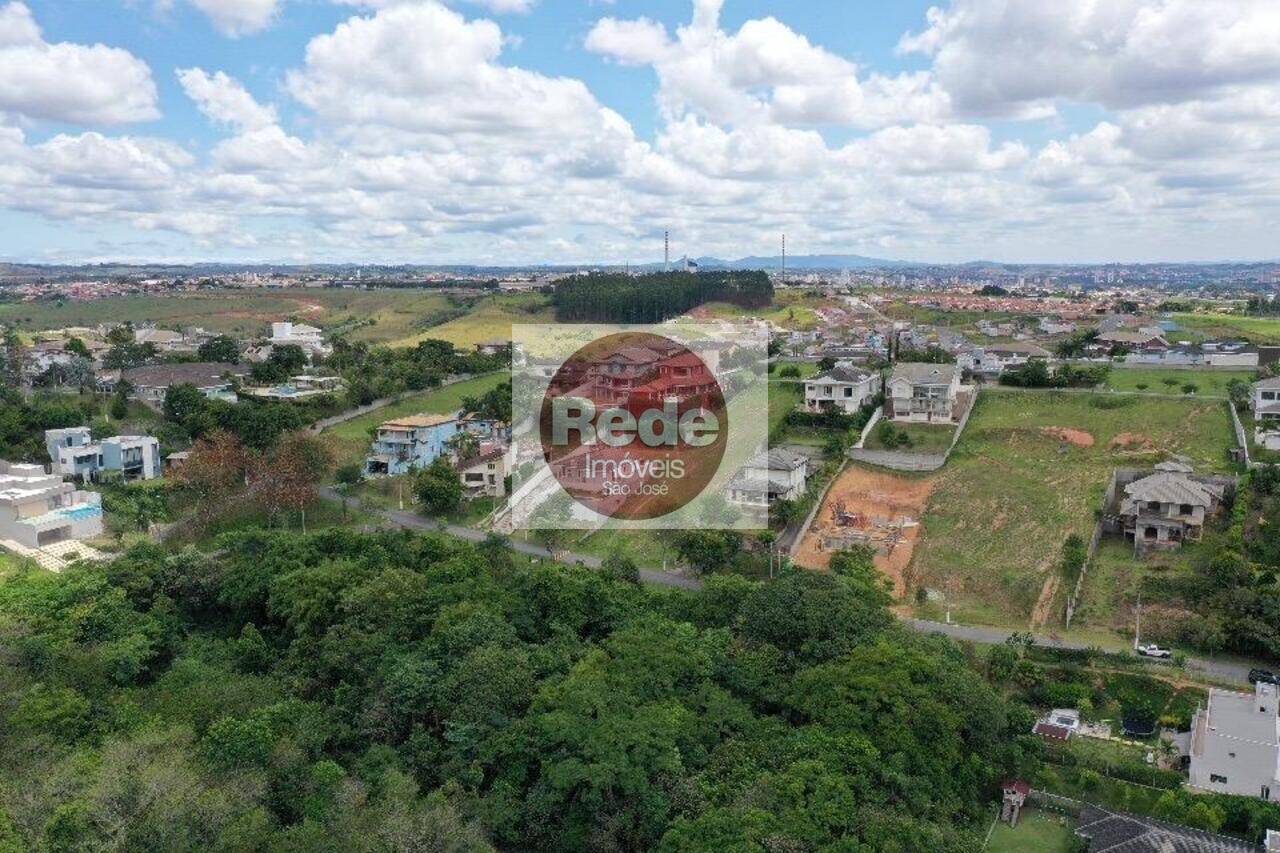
(563, 132)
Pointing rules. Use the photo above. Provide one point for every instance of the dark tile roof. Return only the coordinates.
(1118, 832)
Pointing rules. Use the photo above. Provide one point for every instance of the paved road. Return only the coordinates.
(1218, 670)
(414, 521)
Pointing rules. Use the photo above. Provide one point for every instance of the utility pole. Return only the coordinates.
(1137, 623)
(666, 251)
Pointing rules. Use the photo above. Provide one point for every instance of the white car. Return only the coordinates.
(1153, 651)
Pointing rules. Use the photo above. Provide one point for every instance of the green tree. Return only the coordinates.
(438, 489)
(221, 348)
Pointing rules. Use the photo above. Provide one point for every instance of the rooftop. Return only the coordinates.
(202, 374)
(1171, 488)
(919, 373)
(418, 421)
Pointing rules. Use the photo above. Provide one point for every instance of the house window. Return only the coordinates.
(1185, 509)
(1266, 792)
(1151, 533)
(1153, 506)
(1214, 777)
(848, 392)
(1268, 395)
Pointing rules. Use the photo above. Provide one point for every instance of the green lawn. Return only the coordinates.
(925, 438)
(351, 439)
(806, 368)
(1114, 579)
(1037, 832)
(1260, 330)
(784, 397)
(1010, 494)
(1166, 381)
(791, 309)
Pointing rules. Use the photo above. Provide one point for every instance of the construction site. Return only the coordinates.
(871, 508)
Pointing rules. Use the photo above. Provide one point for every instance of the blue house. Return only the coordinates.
(407, 444)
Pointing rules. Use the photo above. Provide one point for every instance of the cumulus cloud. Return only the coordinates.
(225, 100)
(1018, 59)
(764, 73)
(413, 134)
(78, 84)
(236, 18)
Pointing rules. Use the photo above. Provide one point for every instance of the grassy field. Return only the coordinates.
(1037, 832)
(925, 438)
(783, 398)
(806, 368)
(491, 318)
(1012, 492)
(1157, 380)
(351, 439)
(377, 316)
(794, 309)
(1260, 330)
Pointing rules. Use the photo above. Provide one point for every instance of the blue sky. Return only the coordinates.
(572, 131)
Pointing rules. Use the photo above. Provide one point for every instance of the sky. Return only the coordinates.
(578, 131)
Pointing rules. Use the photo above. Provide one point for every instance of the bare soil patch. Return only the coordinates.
(1077, 437)
(874, 508)
(1131, 441)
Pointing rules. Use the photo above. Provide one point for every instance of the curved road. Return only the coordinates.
(1230, 671)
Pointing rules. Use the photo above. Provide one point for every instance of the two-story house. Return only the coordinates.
(842, 387)
(922, 392)
(1164, 509)
(38, 509)
(407, 444)
(484, 475)
(74, 454)
(302, 335)
(769, 477)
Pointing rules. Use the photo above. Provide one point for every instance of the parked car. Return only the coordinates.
(1151, 650)
(1266, 677)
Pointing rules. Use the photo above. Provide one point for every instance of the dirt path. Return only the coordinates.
(884, 509)
(1043, 610)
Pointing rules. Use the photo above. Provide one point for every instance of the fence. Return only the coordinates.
(1054, 802)
(1242, 440)
(1073, 601)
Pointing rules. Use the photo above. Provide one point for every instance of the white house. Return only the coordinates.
(1266, 413)
(768, 477)
(73, 453)
(485, 473)
(842, 387)
(300, 334)
(38, 509)
(1235, 743)
(922, 392)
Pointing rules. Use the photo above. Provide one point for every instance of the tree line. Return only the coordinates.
(652, 298)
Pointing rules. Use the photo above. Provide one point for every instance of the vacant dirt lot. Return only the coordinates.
(876, 503)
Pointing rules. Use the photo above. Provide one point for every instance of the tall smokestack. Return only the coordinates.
(784, 256)
(666, 251)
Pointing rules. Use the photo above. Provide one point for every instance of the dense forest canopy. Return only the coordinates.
(386, 692)
(620, 298)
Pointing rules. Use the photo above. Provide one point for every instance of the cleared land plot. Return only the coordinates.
(1165, 381)
(1012, 491)
(376, 316)
(490, 319)
(351, 439)
(1260, 330)
(1037, 832)
(1115, 577)
(875, 503)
